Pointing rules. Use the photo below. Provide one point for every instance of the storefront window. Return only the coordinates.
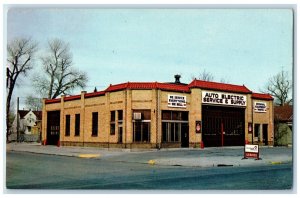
(172, 125)
(141, 125)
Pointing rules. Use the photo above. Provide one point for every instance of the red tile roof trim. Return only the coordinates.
(76, 97)
(94, 94)
(218, 86)
(170, 87)
(262, 96)
(148, 85)
(49, 101)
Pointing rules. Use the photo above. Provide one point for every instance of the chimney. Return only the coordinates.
(177, 78)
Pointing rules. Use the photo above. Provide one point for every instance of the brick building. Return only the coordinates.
(160, 115)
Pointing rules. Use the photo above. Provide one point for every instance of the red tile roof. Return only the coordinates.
(283, 113)
(218, 86)
(171, 87)
(148, 85)
(262, 96)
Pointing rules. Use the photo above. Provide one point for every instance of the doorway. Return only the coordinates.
(53, 127)
(184, 135)
(223, 126)
(265, 134)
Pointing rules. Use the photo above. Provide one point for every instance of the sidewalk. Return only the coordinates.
(189, 157)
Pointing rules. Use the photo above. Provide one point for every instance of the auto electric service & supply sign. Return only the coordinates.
(222, 98)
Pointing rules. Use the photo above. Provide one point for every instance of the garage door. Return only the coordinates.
(223, 126)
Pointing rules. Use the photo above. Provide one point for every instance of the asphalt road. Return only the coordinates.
(38, 171)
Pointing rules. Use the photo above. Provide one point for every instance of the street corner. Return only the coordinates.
(88, 156)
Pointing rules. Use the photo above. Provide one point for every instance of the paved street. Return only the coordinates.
(176, 169)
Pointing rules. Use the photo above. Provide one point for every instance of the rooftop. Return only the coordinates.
(169, 86)
(283, 113)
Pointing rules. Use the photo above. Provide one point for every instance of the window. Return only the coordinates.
(175, 115)
(120, 115)
(141, 127)
(77, 124)
(171, 132)
(112, 122)
(172, 122)
(95, 124)
(67, 129)
(120, 126)
(141, 131)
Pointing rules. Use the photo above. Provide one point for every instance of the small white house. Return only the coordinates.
(29, 122)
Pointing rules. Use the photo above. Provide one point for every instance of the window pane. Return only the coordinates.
(112, 129)
(77, 124)
(120, 115)
(137, 131)
(185, 115)
(176, 132)
(146, 132)
(166, 115)
(95, 123)
(112, 116)
(175, 115)
(172, 135)
(164, 131)
(146, 115)
(67, 132)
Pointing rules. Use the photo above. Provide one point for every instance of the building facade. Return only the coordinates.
(160, 115)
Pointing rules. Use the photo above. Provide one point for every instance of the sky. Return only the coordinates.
(241, 46)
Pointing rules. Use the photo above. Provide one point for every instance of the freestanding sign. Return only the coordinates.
(251, 151)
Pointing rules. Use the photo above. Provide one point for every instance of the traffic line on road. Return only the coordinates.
(89, 155)
(274, 163)
(151, 162)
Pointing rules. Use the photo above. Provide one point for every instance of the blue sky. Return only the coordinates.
(242, 46)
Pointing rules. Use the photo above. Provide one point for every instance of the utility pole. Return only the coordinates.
(18, 133)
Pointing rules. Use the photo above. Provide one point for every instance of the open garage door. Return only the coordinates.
(223, 126)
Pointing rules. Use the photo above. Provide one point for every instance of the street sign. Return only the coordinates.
(251, 151)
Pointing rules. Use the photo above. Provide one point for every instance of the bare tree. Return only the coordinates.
(34, 103)
(204, 75)
(279, 86)
(59, 77)
(19, 58)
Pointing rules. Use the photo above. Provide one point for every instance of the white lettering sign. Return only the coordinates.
(260, 107)
(222, 98)
(176, 101)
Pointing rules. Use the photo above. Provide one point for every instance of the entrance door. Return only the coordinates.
(223, 126)
(53, 127)
(265, 134)
(184, 135)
